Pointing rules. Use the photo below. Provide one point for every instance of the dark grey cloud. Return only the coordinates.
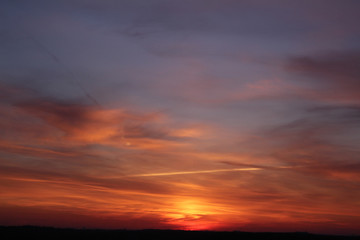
(324, 141)
(71, 116)
(347, 113)
(266, 17)
(67, 114)
(336, 72)
(38, 116)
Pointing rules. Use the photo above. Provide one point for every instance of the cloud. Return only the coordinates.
(64, 115)
(231, 16)
(322, 142)
(92, 124)
(335, 73)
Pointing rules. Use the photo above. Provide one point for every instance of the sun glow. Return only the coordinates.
(192, 214)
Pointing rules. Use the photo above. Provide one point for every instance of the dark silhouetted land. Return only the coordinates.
(39, 233)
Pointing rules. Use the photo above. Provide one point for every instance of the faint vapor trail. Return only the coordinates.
(194, 172)
(46, 50)
(69, 71)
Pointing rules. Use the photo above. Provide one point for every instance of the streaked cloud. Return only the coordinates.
(194, 172)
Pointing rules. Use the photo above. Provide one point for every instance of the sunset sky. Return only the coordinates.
(181, 114)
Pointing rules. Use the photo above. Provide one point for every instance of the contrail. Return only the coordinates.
(194, 172)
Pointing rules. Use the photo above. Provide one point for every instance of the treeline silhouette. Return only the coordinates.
(40, 233)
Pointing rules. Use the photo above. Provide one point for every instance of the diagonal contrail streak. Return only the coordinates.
(46, 50)
(194, 172)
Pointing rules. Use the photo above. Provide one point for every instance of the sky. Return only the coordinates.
(181, 114)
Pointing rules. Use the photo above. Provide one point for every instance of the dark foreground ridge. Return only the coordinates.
(40, 233)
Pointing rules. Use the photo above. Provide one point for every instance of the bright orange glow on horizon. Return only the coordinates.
(193, 214)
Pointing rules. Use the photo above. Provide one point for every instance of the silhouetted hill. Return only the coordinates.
(39, 233)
